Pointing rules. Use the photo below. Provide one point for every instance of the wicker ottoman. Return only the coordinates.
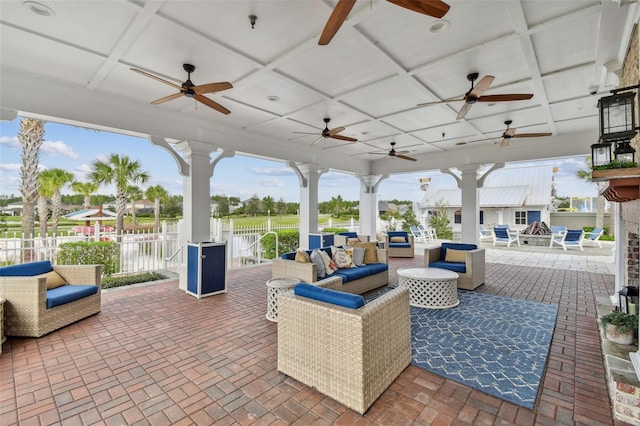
(433, 288)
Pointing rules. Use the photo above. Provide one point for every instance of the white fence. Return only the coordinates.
(148, 251)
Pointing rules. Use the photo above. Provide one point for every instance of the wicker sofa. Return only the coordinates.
(350, 355)
(33, 311)
(471, 271)
(354, 280)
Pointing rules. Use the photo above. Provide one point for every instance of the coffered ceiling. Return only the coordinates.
(74, 66)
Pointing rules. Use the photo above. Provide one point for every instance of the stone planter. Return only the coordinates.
(613, 335)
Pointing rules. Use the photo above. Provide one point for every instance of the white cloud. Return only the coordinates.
(271, 182)
(271, 171)
(10, 167)
(58, 148)
(11, 141)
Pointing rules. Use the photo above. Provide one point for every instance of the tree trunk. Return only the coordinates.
(156, 214)
(87, 201)
(43, 214)
(121, 205)
(56, 210)
(30, 137)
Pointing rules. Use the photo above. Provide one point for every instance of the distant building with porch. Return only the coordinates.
(514, 196)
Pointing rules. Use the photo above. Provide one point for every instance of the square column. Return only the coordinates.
(470, 204)
(309, 177)
(369, 205)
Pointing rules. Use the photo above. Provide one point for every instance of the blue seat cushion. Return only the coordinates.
(351, 274)
(375, 268)
(452, 266)
(400, 245)
(349, 234)
(26, 269)
(455, 246)
(68, 293)
(347, 300)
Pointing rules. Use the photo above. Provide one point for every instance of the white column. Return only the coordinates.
(308, 176)
(369, 204)
(470, 204)
(196, 198)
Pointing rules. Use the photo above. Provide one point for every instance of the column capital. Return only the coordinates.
(370, 183)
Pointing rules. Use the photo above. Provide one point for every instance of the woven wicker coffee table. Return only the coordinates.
(432, 288)
(275, 287)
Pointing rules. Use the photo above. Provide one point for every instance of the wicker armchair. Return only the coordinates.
(350, 355)
(403, 248)
(471, 272)
(342, 238)
(25, 309)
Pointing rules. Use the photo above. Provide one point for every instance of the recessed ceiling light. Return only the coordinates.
(365, 133)
(273, 98)
(461, 143)
(39, 8)
(440, 26)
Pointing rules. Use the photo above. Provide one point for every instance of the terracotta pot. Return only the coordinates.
(613, 335)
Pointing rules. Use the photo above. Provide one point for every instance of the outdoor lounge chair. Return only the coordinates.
(430, 233)
(594, 237)
(417, 234)
(572, 238)
(399, 244)
(485, 235)
(557, 231)
(344, 238)
(503, 236)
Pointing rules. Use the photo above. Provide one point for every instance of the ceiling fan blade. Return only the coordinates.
(437, 9)
(211, 87)
(167, 98)
(504, 143)
(463, 111)
(509, 132)
(482, 86)
(211, 104)
(404, 157)
(343, 138)
(335, 131)
(505, 98)
(155, 77)
(531, 135)
(444, 101)
(402, 152)
(305, 133)
(317, 141)
(338, 16)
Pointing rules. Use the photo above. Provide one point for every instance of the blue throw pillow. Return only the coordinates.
(347, 300)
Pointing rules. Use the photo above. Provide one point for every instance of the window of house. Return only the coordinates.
(481, 217)
(457, 216)
(521, 218)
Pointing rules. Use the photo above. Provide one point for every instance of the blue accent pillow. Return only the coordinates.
(347, 300)
(349, 234)
(26, 269)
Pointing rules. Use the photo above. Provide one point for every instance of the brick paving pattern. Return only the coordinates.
(157, 356)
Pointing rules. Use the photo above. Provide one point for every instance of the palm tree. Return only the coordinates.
(56, 179)
(31, 136)
(156, 193)
(45, 191)
(134, 194)
(86, 189)
(122, 172)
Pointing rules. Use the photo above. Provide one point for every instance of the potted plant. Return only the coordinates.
(619, 327)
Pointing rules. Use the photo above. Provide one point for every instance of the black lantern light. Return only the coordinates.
(617, 117)
(600, 154)
(628, 300)
(624, 152)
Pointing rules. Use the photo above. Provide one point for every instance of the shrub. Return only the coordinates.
(334, 230)
(105, 253)
(119, 281)
(288, 240)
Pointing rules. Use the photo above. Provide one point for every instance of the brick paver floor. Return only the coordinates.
(158, 356)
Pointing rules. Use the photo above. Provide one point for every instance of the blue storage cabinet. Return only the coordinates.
(320, 240)
(206, 269)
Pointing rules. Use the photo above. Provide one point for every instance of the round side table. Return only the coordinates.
(432, 288)
(275, 287)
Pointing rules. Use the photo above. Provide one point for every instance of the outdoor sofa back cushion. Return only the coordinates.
(26, 269)
(347, 300)
(455, 246)
(349, 234)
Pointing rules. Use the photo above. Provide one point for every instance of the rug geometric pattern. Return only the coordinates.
(495, 344)
(498, 345)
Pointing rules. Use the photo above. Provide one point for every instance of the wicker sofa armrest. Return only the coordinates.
(351, 355)
(283, 268)
(383, 255)
(25, 293)
(431, 254)
(80, 274)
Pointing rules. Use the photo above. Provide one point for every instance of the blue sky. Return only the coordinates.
(74, 149)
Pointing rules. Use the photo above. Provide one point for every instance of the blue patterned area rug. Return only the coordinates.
(495, 344)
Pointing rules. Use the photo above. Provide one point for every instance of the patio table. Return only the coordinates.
(433, 288)
(275, 287)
